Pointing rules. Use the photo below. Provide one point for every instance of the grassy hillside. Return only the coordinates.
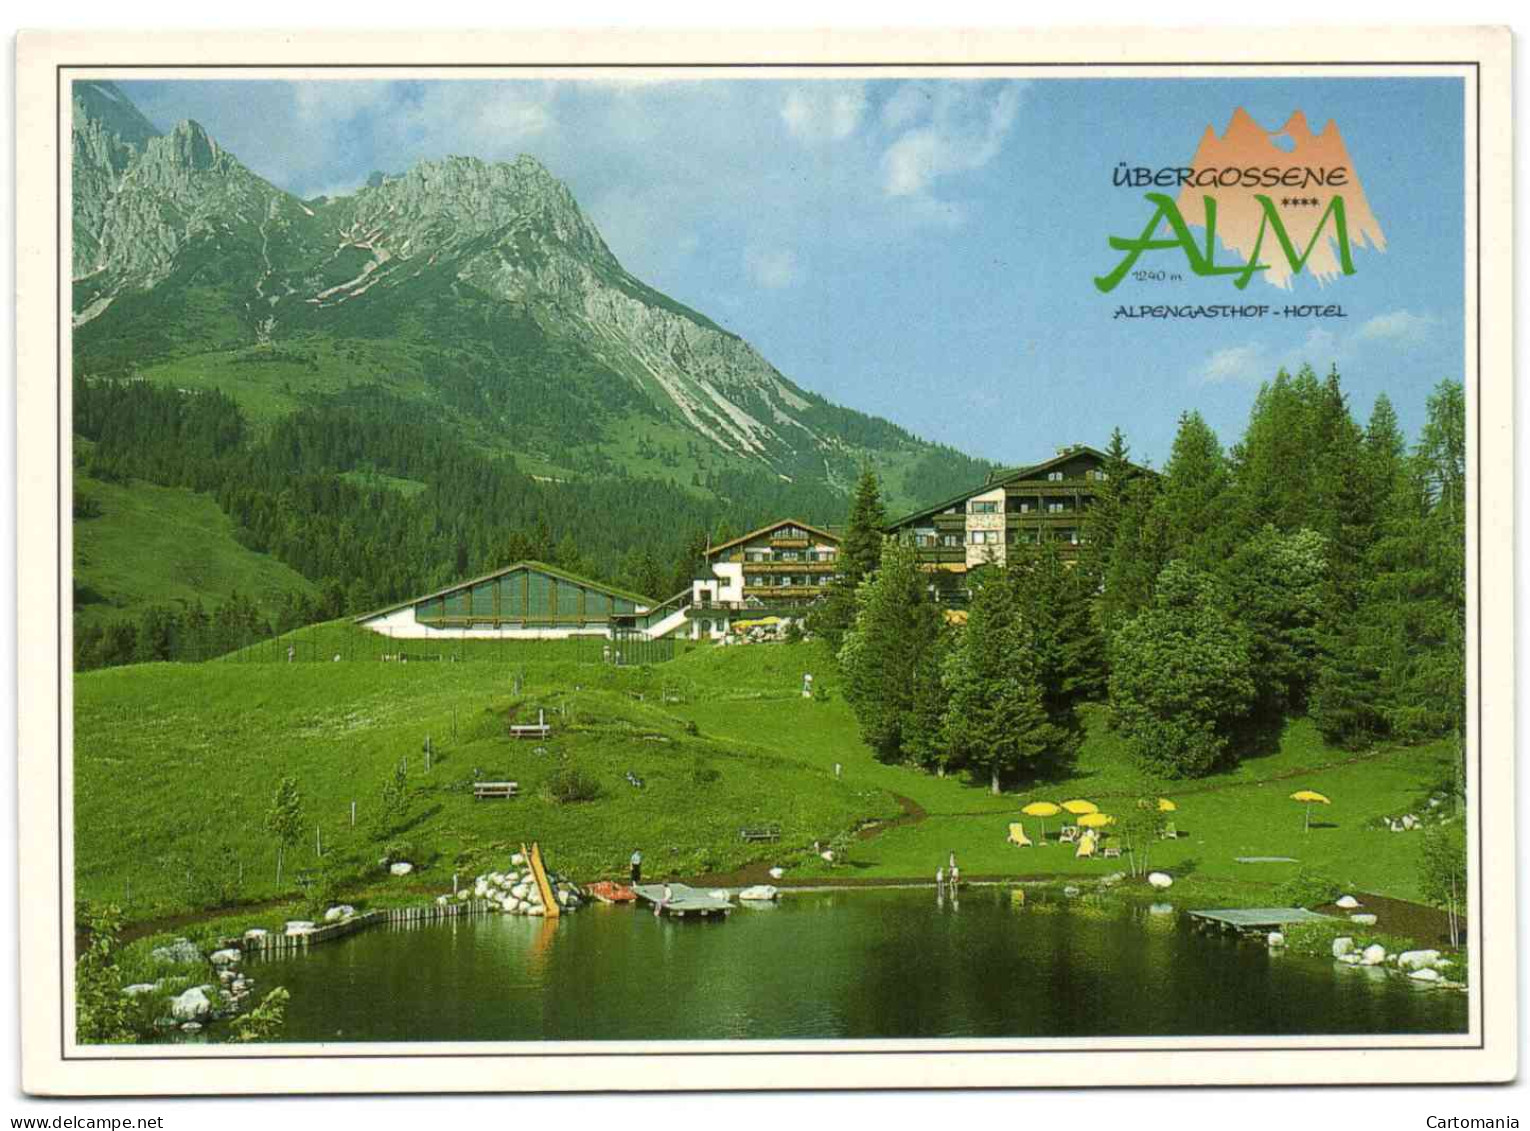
(164, 546)
(175, 766)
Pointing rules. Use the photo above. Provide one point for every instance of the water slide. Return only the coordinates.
(539, 873)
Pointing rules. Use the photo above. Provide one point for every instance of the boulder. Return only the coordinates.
(226, 957)
(179, 951)
(1425, 975)
(191, 1027)
(536, 909)
(402, 868)
(443, 900)
(1373, 955)
(1418, 959)
(193, 1005)
(1275, 940)
(1343, 945)
(1409, 821)
(517, 859)
(1160, 880)
(339, 912)
(761, 893)
(1351, 958)
(1070, 890)
(256, 933)
(1396, 826)
(139, 988)
(520, 891)
(296, 927)
(1347, 902)
(1113, 879)
(508, 903)
(777, 873)
(465, 895)
(1364, 918)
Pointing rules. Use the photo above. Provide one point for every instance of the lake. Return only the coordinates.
(840, 964)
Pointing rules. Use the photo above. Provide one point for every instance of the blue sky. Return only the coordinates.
(924, 249)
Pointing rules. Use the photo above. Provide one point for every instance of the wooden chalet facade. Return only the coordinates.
(1042, 503)
(777, 570)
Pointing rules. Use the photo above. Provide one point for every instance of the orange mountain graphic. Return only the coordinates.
(1247, 144)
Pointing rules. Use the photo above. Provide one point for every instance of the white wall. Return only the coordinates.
(401, 625)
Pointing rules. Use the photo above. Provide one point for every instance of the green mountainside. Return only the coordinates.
(479, 290)
(461, 329)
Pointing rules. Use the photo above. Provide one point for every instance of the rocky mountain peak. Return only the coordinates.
(104, 104)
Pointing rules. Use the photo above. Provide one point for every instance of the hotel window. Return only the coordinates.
(1056, 508)
(1055, 476)
(985, 506)
(950, 540)
(985, 537)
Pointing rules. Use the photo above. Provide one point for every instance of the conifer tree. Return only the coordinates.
(1180, 676)
(896, 624)
(996, 721)
(1195, 495)
(860, 552)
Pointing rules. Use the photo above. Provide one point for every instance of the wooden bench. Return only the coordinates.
(760, 832)
(483, 790)
(530, 730)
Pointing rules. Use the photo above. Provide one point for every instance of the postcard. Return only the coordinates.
(749, 561)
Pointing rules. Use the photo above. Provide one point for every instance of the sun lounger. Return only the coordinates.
(1111, 851)
(1017, 835)
(1085, 846)
(1168, 832)
(1068, 835)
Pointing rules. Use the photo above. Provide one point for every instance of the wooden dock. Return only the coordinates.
(1256, 918)
(683, 902)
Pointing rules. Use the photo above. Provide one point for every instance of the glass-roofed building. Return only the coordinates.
(527, 600)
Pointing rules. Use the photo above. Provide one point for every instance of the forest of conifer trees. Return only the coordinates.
(1316, 567)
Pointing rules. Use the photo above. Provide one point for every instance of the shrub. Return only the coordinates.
(704, 773)
(1315, 940)
(1308, 889)
(400, 848)
(570, 785)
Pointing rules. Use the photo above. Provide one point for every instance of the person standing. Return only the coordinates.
(956, 876)
(637, 866)
(940, 878)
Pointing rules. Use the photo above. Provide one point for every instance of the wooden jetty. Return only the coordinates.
(1257, 919)
(683, 902)
(278, 942)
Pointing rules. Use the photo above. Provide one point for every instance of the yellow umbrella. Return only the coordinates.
(1096, 820)
(1310, 797)
(1166, 806)
(1079, 807)
(1042, 809)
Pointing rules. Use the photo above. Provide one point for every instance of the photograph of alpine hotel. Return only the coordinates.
(1061, 635)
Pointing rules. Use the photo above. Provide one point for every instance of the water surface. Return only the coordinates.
(843, 964)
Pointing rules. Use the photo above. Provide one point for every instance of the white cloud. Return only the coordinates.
(1400, 326)
(1255, 362)
(964, 132)
(772, 268)
(1237, 363)
(825, 111)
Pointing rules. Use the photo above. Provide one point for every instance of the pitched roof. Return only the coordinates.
(539, 567)
(766, 529)
(1002, 476)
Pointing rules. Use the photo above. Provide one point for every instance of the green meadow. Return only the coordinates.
(153, 545)
(175, 766)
